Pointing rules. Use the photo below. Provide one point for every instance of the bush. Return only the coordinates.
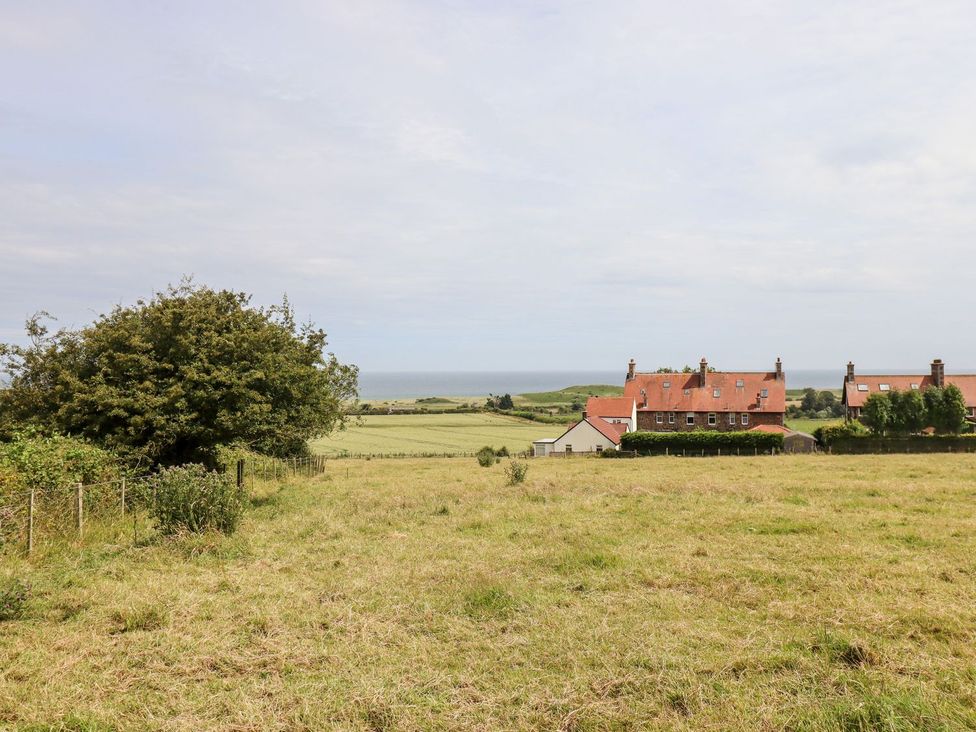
(827, 435)
(13, 599)
(674, 442)
(501, 452)
(32, 461)
(515, 471)
(486, 457)
(192, 498)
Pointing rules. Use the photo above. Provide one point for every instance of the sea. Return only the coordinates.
(383, 385)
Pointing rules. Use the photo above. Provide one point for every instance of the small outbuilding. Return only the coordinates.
(793, 441)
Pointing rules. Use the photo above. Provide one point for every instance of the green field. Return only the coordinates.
(801, 424)
(417, 434)
(801, 593)
(565, 397)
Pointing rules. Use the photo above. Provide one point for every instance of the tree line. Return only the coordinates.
(912, 411)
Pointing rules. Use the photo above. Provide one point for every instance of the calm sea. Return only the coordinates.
(414, 384)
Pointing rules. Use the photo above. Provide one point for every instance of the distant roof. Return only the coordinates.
(772, 428)
(731, 397)
(609, 430)
(547, 440)
(855, 397)
(610, 407)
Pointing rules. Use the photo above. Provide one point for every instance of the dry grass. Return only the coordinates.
(802, 593)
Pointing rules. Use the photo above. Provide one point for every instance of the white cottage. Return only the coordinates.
(592, 434)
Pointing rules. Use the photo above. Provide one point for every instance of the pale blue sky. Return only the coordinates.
(500, 185)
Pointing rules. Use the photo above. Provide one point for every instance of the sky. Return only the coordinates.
(506, 185)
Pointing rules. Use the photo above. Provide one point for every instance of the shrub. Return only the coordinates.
(515, 471)
(30, 460)
(192, 498)
(486, 457)
(13, 599)
(658, 442)
(501, 452)
(829, 434)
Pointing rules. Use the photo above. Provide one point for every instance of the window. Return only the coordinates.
(660, 418)
(690, 418)
(972, 411)
(745, 418)
(915, 387)
(884, 387)
(667, 384)
(862, 387)
(599, 448)
(716, 393)
(764, 393)
(739, 383)
(711, 418)
(569, 449)
(687, 392)
(671, 418)
(732, 418)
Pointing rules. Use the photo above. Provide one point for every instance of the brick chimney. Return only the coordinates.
(938, 372)
(850, 372)
(631, 368)
(702, 371)
(779, 369)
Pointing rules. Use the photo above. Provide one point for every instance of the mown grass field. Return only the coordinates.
(417, 434)
(801, 424)
(796, 592)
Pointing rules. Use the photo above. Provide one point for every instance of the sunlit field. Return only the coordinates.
(792, 592)
(417, 434)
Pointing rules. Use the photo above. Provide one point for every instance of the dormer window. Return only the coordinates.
(764, 393)
(667, 384)
(716, 393)
(739, 383)
(915, 387)
(862, 387)
(687, 392)
(884, 387)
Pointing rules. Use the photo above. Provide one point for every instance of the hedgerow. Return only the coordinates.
(675, 442)
(46, 463)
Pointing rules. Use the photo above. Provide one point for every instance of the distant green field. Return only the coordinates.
(417, 434)
(568, 395)
(809, 425)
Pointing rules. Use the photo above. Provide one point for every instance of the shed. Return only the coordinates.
(793, 441)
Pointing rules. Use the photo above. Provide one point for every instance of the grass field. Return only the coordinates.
(416, 434)
(809, 425)
(799, 593)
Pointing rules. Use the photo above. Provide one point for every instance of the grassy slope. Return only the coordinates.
(567, 396)
(434, 433)
(811, 593)
(801, 424)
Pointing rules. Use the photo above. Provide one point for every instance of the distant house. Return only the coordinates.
(591, 434)
(709, 400)
(616, 410)
(604, 421)
(858, 387)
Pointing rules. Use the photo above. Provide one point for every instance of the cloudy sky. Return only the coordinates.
(506, 185)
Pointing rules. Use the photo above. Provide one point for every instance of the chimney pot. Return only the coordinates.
(938, 372)
(779, 369)
(631, 368)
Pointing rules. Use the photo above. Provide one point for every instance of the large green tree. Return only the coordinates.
(172, 378)
(876, 413)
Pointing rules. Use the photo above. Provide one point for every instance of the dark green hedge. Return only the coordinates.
(657, 443)
(917, 443)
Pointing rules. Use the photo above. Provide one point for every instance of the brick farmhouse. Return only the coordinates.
(710, 400)
(858, 387)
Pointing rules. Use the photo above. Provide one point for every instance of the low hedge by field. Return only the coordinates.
(868, 445)
(659, 443)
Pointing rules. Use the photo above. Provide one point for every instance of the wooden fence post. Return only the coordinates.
(123, 496)
(240, 473)
(30, 523)
(80, 508)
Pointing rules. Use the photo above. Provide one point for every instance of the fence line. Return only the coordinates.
(91, 499)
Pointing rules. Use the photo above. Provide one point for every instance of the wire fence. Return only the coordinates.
(32, 515)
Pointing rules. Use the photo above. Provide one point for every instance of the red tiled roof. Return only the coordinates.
(608, 429)
(731, 398)
(610, 407)
(853, 397)
(773, 428)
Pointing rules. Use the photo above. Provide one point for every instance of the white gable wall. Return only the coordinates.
(584, 437)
